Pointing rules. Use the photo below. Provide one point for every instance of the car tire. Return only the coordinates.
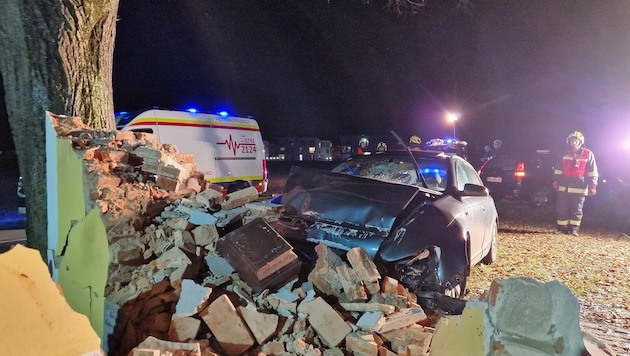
(238, 185)
(492, 254)
(540, 198)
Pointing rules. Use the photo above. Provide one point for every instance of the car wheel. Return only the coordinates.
(237, 185)
(492, 254)
(539, 199)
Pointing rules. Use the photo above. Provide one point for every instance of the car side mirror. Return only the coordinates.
(474, 190)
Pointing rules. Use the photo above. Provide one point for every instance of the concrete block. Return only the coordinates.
(469, 333)
(330, 327)
(227, 326)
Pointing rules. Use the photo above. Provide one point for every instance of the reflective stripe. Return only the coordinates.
(592, 174)
(575, 223)
(562, 189)
(578, 191)
(557, 171)
(562, 222)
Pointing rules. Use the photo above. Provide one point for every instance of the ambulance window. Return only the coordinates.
(143, 130)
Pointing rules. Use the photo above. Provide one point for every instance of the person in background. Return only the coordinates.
(414, 143)
(488, 155)
(575, 177)
(496, 145)
(363, 145)
(381, 147)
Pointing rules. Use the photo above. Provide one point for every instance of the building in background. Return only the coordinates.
(304, 149)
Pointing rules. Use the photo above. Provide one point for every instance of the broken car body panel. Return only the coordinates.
(426, 238)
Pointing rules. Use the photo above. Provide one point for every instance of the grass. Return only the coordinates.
(595, 265)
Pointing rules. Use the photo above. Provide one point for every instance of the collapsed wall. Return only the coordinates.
(171, 283)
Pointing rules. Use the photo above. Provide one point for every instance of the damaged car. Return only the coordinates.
(425, 218)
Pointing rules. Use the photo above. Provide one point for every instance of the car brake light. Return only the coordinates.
(264, 169)
(520, 170)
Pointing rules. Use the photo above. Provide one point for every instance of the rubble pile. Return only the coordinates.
(174, 242)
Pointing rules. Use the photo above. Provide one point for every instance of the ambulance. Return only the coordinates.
(228, 149)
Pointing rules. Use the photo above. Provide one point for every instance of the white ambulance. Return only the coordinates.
(228, 149)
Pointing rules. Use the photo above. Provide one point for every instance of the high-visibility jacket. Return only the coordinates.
(576, 171)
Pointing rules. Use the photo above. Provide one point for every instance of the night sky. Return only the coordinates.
(527, 72)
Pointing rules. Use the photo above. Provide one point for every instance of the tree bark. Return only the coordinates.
(55, 56)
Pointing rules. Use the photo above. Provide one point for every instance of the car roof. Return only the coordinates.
(405, 154)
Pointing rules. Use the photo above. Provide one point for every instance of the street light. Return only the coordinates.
(453, 117)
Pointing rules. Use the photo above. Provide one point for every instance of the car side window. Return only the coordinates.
(464, 175)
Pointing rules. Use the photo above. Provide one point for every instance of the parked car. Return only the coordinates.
(425, 225)
(526, 177)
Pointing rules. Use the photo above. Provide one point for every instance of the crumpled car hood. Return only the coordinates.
(346, 211)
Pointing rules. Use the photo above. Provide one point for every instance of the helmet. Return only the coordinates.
(364, 141)
(578, 135)
(382, 146)
(497, 143)
(415, 140)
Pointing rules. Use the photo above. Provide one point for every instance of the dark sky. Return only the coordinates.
(528, 72)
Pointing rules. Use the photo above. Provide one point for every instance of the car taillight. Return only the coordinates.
(520, 170)
(264, 169)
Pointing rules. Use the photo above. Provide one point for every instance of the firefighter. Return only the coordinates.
(414, 143)
(381, 147)
(575, 177)
(363, 145)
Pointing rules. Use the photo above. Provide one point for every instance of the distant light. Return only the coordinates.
(192, 110)
(223, 114)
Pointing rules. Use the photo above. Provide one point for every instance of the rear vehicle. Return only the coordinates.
(526, 177)
(229, 150)
(425, 221)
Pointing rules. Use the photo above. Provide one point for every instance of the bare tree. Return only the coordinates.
(54, 56)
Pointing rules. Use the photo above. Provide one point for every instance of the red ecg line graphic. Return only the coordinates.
(233, 145)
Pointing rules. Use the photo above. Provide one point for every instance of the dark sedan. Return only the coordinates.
(425, 221)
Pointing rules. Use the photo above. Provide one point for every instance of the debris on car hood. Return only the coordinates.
(343, 210)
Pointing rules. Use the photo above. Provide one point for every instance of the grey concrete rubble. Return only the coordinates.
(183, 285)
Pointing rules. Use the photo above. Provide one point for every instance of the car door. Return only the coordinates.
(477, 215)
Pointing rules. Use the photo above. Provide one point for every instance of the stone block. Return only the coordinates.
(363, 265)
(172, 185)
(183, 328)
(330, 327)
(239, 198)
(227, 326)
(403, 318)
(361, 344)
(205, 235)
(371, 321)
(262, 325)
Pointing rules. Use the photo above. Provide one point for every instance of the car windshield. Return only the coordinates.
(397, 170)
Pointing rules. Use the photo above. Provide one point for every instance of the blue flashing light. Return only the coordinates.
(223, 114)
(192, 110)
(121, 113)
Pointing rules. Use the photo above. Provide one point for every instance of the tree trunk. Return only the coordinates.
(54, 56)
